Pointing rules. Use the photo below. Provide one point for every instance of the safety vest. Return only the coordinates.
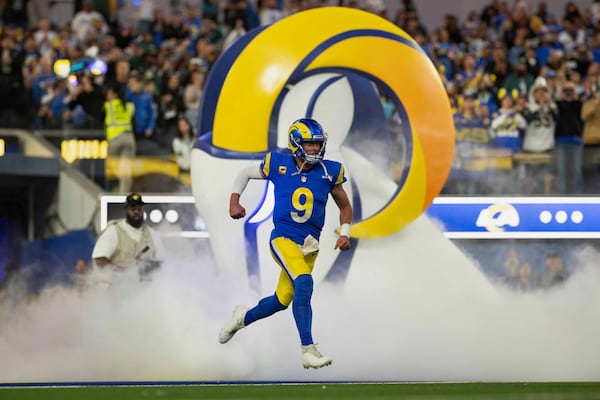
(117, 118)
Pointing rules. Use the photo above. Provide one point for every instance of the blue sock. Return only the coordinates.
(303, 289)
(267, 306)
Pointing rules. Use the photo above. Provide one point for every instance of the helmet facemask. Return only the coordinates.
(305, 131)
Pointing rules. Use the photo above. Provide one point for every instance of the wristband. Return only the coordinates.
(345, 230)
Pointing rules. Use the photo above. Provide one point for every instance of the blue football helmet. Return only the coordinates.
(306, 130)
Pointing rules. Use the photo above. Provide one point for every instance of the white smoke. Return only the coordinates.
(392, 320)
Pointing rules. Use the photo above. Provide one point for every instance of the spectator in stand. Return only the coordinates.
(469, 76)
(581, 59)
(593, 72)
(444, 53)
(28, 74)
(488, 13)
(88, 23)
(569, 141)
(517, 51)
(118, 118)
(506, 130)
(478, 44)
(124, 36)
(521, 103)
(146, 44)
(519, 79)
(145, 14)
(498, 67)
(536, 24)
(587, 22)
(453, 96)
(542, 11)
(175, 28)
(511, 268)
(192, 21)
(65, 42)
(41, 80)
(53, 106)
(472, 22)
(192, 95)
(183, 144)
(552, 82)
(595, 9)
(414, 27)
(570, 35)
(231, 12)
(151, 89)
(97, 31)
(270, 12)
(533, 66)
(486, 115)
(118, 71)
(90, 97)
(540, 115)
(452, 26)
(590, 115)
(556, 61)
(526, 281)
(14, 12)
(289, 7)
(468, 168)
(577, 82)
(502, 14)
(399, 19)
(519, 274)
(555, 273)
(12, 90)
(109, 52)
(144, 118)
(210, 10)
(45, 37)
(542, 52)
(205, 52)
(235, 33)
(211, 32)
(159, 22)
(30, 51)
(487, 95)
(170, 107)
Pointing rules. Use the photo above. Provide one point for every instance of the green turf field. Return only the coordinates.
(370, 391)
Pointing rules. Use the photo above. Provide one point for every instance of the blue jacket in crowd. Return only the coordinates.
(145, 114)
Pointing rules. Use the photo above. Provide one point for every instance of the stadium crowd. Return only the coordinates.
(523, 82)
(524, 86)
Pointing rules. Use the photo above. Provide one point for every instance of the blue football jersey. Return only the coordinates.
(300, 197)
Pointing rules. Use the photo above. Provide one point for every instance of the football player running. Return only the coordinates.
(303, 181)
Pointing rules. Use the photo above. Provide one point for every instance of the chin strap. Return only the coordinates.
(300, 168)
(304, 162)
(326, 172)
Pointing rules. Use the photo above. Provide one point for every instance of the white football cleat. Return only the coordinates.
(235, 324)
(311, 358)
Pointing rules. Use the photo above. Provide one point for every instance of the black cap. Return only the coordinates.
(134, 199)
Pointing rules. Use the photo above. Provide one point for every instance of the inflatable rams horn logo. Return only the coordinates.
(334, 70)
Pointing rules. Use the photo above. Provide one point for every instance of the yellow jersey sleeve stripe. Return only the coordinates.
(267, 165)
(340, 178)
